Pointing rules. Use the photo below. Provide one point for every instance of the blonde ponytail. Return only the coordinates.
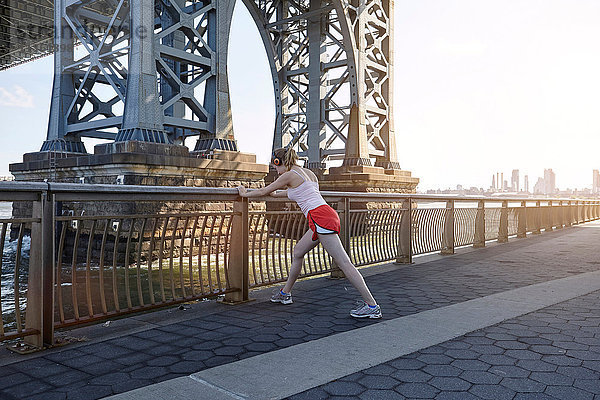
(288, 156)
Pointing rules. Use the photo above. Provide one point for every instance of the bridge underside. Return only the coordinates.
(26, 30)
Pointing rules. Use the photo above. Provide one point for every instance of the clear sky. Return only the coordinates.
(481, 86)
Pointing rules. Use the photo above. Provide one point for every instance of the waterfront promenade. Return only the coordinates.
(512, 321)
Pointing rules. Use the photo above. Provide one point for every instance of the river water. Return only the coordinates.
(5, 210)
(8, 268)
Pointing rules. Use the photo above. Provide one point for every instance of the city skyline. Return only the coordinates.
(503, 97)
(545, 184)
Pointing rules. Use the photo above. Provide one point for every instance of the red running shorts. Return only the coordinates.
(323, 220)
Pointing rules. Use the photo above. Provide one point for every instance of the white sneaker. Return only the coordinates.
(279, 297)
(366, 312)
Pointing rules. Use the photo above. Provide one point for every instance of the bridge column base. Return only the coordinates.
(363, 178)
(146, 164)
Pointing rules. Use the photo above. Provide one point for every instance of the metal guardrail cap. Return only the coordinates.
(14, 186)
(92, 188)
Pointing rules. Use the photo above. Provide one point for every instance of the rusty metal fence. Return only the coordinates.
(76, 258)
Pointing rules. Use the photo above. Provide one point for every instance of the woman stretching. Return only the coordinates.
(303, 188)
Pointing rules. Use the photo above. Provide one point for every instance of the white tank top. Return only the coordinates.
(306, 195)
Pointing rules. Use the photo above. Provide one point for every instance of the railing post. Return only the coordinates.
(567, 214)
(557, 216)
(343, 207)
(479, 239)
(237, 268)
(587, 211)
(503, 227)
(548, 222)
(405, 245)
(40, 284)
(448, 235)
(538, 218)
(522, 221)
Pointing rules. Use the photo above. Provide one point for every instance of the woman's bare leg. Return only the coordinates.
(303, 246)
(334, 247)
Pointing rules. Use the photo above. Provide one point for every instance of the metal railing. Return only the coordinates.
(19, 314)
(98, 252)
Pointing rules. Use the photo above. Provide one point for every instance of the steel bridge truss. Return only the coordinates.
(327, 56)
(156, 84)
(331, 62)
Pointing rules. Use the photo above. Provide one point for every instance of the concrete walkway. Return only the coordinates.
(313, 349)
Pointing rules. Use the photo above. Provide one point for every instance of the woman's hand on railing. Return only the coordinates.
(242, 191)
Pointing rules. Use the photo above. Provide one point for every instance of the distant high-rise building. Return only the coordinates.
(493, 182)
(549, 181)
(514, 180)
(502, 182)
(526, 183)
(539, 186)
(596, 182)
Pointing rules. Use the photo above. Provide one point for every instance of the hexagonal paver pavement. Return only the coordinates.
(463, 369)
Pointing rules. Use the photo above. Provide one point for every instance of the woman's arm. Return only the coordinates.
(280, 183)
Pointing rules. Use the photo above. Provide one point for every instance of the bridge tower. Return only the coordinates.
(145, 75)
(332, 68)
(144, 70)
(149, 74)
